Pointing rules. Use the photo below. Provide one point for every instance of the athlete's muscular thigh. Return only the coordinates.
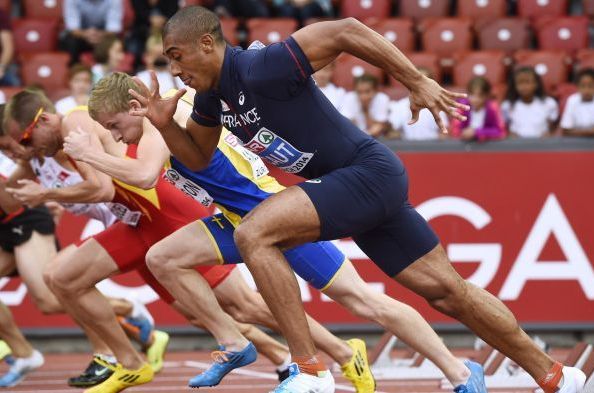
(286, 219)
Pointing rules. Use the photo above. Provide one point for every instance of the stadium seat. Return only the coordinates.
(270, 31)
(445, 36)
(481, 9)
(420, 9)
(588, 6)
(538, 8)
(35, 35)
(585, 59)
(507, 34)
(488, 64)
(362, 9)
(551, 65)
(49, 70)
(399, 31)
(348, 67)
(129, 14)
(6, 6)
(569, 33)
(43, 9)
(229, 26)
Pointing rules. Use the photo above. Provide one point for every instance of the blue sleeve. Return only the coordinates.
(207, 110)
(278, 71)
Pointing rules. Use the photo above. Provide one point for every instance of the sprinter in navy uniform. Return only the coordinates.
(356, 187)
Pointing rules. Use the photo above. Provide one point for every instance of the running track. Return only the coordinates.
(180, 366)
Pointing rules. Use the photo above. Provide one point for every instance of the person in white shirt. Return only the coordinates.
(527, 110)
(578, 116)
(80, 82)
(154, 60)
(323, 78)
(367, 107)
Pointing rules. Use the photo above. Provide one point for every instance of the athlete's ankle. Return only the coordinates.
(553, 379)
(310, 365)
(235, 346)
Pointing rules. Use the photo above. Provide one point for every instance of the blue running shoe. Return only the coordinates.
(224, 363)
(476, 381)
(145, 328)
(20, 368)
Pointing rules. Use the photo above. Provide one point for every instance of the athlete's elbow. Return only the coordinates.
(348, 28)
(147, 181)
(102, 195)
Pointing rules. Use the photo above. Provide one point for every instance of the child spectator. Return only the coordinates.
(323, 78)
(578, 116)
(527, 110)
(425, 127)
(80, 81)
(484, 120)
(155, 61)
(367, 107)
(109, 55)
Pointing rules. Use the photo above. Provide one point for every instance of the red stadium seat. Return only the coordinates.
(537, 8)
(50, 70)
(6, 6)
(488, 64)
(585, 59)
(399, 31)
(445, 36)
(551, 65)
(35, 35)
(420, 9)
(43, 9)
(229, 26)
(348, 67)
(269, 31)
(362, 9)
(481, 9)
(588, 6)
(129, 14)
(569, 33)
(507, 34)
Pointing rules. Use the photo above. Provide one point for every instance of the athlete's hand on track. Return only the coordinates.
(158, 110)
(78, 142)
(429, 94)
(30, 193)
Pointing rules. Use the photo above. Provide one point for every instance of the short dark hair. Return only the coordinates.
(478, 82)
(77, 69)
(367, 78)
(584, 72)
(23, 107)
(512, 94)
(193, 22)
(101, 51)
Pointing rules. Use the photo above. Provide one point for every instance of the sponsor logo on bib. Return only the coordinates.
(278, 151)
(188, 187)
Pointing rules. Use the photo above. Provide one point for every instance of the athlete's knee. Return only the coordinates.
(248, 236)
(366, 307)
(48, 305)
(448, 295)
(158, 260)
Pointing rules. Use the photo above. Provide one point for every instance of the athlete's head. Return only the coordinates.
(31, 119)
(193, 41)
(110, 103)
(585, 83)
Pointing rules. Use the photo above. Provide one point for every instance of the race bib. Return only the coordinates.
(124, 214)
(188, 187)
(278, 152)
(259, 169)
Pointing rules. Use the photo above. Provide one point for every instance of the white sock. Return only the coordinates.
(139, 311)
(108, 358)
(285, 364)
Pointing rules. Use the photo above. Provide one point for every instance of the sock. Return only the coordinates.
(285, 364)
(107, 358)
(310, 365)
(139, 311)
(553, 379)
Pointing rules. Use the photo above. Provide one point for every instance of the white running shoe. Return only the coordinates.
(573, 380)
(299, 382)
(20, 368)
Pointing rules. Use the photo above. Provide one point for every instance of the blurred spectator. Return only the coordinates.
(302, 9)
(8, 71)
(527, 110)
(366, 106)
(80, 81)
(424, 129)
(156, 61)
(241, 8)
(323, 78)
(578, 116)
(484, 120)
(149, 18)
(109, 55)
(87, 22)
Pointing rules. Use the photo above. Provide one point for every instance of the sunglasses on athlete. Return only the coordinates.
(28, 133)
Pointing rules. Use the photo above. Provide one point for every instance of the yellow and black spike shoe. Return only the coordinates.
(357, 369)
(123, 378)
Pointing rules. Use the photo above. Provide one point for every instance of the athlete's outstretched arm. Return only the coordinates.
(322, 42)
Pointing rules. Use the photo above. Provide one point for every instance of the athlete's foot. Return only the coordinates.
(357, 369)
(224, 363)
(122, 378)
(476, 381)
(155, 354)
(96, 372)
(573, 380)
(141, 320)
(299, 382)
(19, 368)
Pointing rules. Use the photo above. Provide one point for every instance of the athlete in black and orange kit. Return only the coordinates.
(146, 216)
